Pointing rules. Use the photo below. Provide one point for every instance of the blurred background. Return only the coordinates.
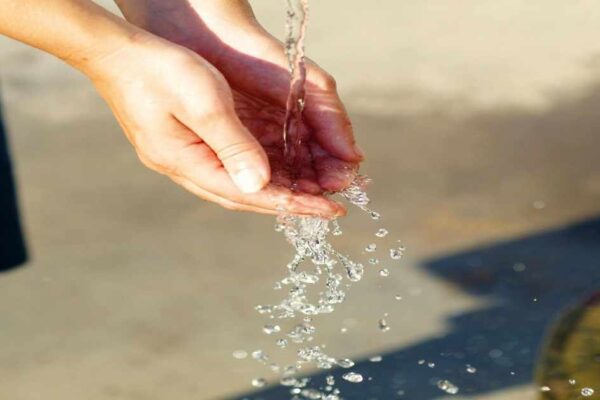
(480, 120)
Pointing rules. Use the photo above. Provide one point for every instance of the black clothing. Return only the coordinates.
(12, 245)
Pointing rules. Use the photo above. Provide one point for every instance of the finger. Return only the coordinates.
(327, 116)
(333, 174)
(199, 164)
(240, 153)
(226, 203)
(308, 186)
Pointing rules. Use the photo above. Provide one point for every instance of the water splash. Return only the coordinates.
(318, 276)
(317, 280)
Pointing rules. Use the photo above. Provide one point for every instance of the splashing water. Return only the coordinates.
(318, 276)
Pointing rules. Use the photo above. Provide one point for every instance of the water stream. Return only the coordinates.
(296, 24)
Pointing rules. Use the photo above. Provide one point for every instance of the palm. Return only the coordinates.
(314, 171)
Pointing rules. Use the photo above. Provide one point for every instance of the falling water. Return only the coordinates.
(318, 276)
(297, 21)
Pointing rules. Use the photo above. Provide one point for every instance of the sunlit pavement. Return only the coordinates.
(480, 122)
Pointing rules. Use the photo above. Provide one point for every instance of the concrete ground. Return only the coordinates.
(480, 120)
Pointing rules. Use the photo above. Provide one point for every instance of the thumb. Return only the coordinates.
(241, 154)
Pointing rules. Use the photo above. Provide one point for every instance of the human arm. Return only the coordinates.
(174, 106)
(226, 33)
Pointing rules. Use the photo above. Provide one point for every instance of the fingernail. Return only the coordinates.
(248, 180)
(358, 151)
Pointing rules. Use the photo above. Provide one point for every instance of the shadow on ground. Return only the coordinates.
(527, 281)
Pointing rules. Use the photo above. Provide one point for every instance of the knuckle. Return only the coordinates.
(234, 150)
(157, 161)
(210, 115)
(326, 81)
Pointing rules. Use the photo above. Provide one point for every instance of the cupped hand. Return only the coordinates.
(179, 113)
(254, 64)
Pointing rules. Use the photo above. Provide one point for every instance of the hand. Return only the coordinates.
(178, 112)
(253, 62)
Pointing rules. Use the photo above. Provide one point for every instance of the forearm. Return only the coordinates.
(187, 22)
(77, 31)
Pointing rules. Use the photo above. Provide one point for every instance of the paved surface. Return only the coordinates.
(481, 123)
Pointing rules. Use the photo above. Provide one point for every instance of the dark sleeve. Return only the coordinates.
(12, 244)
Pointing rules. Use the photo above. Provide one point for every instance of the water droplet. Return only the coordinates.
(344, 330)
(587, 392)
(275, 368)
(271, 329)
(330, 380)
(396, 254)
(312, 394)
(279, 227)
(545, 389)
(345, 363)
(421, 362)
(431, 365)
(519, 267)
(259, 355)
(398, 297)
(447, 387)
(259, 382)
(384, 272)
(383, 325)
(471, 369)
(353, 377)
(282, 343)
(337, 229)
(240, 354)
(376, 359)
(264, 309)
(371, 248)
(572, 381)
(375, 215)
(382, 233)
(288, 381)
(374, 261)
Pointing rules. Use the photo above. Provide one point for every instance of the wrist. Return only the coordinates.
(191, 23)
(99, 39)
